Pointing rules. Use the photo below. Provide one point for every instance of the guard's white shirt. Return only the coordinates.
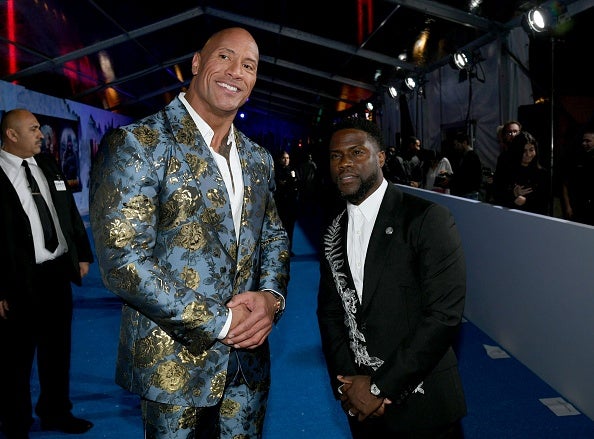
(11, 165)
(361, 221)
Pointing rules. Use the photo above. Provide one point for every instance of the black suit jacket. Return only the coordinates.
(413, 299)
(17, 254)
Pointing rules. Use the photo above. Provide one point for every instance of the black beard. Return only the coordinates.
(358, 197)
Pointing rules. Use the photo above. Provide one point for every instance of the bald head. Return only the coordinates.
(225, 73)
(21, 135)
(13, 119)
(231, 33)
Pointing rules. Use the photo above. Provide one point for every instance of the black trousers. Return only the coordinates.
(41, 327)
(374, 428)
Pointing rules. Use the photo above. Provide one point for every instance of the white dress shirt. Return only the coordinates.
(231, 172)
(361, 221)
(11, 165)
(232, 176)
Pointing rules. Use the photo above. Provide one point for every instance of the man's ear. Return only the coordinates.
(12, 134)
(381, 155)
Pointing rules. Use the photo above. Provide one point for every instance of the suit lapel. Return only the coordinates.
(382, 237)
(213, 198)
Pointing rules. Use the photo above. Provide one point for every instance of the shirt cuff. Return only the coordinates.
(225, 329)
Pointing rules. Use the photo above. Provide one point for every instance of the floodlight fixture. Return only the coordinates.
(537, 20)
(393, 91)
(410, 82)
(461, 60)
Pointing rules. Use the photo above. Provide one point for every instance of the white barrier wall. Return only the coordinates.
(531, 288)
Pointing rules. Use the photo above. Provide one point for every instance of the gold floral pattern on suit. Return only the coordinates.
(173, 166)
(187, 133)
(191, 278)
(171, 377)
(210, 216)
(147, 136)
(115, 139)
(186, 357)
(109, 194)
(229, 408)
(139, 207)
(195, 314)
(197, 165)
(153, 347)
(190, 236)
(217, 385)
(188, 418)
(121, 234)
(126, 278)
(244, 268)
(216, 198)
(178, 208)
(192, 230)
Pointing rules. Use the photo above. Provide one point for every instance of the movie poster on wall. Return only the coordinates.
(61, 140)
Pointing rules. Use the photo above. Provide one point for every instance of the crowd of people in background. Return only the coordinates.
(520, 179)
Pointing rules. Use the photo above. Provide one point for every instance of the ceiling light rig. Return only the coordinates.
(460, 60)
(410, 82)
(537, 20)
(467, 61)
(546, 19)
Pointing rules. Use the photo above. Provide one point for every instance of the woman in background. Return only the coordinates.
(438, 173)
(524, 184)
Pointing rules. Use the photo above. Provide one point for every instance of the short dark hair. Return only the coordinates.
(507, 123)
(516, 147)
(370, 127)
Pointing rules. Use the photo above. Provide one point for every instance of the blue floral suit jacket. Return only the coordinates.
(166, 245)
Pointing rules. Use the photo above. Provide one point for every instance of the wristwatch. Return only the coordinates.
(374, 389)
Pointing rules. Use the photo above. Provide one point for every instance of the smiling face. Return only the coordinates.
(355, 164)
(529, 154)
(224, 73)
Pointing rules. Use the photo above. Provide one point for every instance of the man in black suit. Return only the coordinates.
(36, 271)
(391, 297)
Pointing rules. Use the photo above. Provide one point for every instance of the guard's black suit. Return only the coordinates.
(40, 300)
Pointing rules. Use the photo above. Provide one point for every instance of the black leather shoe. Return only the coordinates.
(66, 424)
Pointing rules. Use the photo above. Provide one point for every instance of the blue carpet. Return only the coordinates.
(502, 395)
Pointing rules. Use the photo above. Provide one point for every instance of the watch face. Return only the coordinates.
(375, 390)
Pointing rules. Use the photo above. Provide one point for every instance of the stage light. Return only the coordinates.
(393, 91)
(465, 59)
(369, 106)
(410, 82)
(537, 20)
(548, 19)
(460, 60)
